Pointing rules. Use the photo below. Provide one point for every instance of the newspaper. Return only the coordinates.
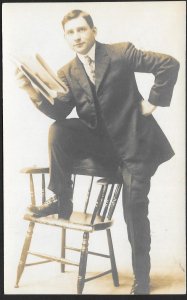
(42, 77)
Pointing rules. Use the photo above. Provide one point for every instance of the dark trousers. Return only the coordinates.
(71, 140)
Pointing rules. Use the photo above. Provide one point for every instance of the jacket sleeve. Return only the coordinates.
(63, 104)
(164, 68)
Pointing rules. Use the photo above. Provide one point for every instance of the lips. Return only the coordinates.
(79, 45)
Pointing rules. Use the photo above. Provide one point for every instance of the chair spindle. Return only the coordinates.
(97, 205)
(88, 195)
(114, 201)
(32, 192)
(102, 199)
(43, 189)
(107, 203)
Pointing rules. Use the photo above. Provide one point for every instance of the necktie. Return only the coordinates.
(90, 68)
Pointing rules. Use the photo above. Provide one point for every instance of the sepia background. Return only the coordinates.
(30, 28)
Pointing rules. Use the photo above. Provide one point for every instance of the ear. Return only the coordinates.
(95, 30)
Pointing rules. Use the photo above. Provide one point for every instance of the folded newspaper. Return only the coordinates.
(42, 77)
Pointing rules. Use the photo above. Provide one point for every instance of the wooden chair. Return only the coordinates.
(99, 219)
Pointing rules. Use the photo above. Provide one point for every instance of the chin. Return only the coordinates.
(83, 52)
(78, 51)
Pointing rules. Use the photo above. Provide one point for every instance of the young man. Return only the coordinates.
(115, 124)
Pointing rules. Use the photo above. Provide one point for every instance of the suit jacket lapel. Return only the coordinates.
(80, 75)
(102, 62)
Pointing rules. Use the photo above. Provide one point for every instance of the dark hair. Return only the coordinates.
(75, 14)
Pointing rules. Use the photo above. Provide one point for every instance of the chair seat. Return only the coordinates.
(78, 221)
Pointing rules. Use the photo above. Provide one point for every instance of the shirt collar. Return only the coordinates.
(91, 54)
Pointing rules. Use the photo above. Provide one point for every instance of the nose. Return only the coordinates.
(77, 36)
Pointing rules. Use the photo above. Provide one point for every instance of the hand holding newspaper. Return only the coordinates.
(42, 77)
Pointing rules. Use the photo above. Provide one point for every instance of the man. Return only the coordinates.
(115, 124)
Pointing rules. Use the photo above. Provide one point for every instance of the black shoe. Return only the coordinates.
(140, 288)
(49, 207)
(53, 206)
(65, 209)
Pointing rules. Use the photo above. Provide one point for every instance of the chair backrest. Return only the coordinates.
(106, 200)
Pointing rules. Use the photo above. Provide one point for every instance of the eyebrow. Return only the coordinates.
(78, 28)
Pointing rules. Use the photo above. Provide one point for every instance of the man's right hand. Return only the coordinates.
(23, 81)
(25, 84)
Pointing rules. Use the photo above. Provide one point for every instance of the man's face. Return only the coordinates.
(79, 35)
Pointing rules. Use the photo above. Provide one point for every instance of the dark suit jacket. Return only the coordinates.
(138, 139)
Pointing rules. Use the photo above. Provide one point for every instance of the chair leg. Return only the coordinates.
(63, 249)
(24, 252)
(83, 263)
(112, 259)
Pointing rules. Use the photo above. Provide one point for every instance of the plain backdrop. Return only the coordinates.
(30, 28)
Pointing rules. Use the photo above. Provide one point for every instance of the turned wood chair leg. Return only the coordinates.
(112, 259)
(63, 248)
(24, 252)
(83, 263)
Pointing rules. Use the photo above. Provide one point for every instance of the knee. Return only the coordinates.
(52, 133)
(55, 133)
(61, 131)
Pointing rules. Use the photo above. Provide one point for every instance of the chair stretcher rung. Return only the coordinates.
(38, 263)
(54, 258)
(97, 276)
(89, 252)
